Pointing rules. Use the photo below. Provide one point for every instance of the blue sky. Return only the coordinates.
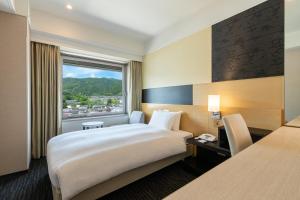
(83, 72)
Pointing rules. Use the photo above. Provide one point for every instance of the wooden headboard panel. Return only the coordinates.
(260, 101)
(196, 119)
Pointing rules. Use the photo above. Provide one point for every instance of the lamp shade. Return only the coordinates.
(214, 103)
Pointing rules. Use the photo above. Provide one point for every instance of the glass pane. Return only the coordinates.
(89, 92)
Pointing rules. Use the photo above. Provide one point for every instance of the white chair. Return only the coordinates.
(137, 117)
(237, 132)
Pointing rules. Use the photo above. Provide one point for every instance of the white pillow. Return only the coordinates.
(163, 120)
(176, 123)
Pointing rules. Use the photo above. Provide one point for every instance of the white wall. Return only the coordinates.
(292, 83)
(22, 7)
(75, 124)
(19, 7)
(70, 34)
(292, 39)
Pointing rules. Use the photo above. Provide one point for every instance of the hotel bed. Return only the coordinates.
(92, 163)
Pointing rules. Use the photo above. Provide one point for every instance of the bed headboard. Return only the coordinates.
(260, 101)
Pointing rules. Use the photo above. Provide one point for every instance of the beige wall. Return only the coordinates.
(14, 120)
(187, 61)
(292, 83)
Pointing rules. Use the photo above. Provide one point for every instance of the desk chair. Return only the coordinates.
(237, 132)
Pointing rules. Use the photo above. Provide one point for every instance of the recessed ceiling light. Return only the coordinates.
(69, 7)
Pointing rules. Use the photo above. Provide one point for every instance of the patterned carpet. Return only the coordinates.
(35, 184)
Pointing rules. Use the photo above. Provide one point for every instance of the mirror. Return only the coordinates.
(292, 59)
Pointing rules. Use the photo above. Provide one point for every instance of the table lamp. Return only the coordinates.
(214, 106)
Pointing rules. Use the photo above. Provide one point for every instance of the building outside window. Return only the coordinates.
(92, 88)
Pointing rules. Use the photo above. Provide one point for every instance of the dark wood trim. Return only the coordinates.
(180, 95)
(249, 44)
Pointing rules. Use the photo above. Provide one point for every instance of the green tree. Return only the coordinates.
(109, 102)
(64, 103)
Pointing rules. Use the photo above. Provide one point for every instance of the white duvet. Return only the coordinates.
(82, 159)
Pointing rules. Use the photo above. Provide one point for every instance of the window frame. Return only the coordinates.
(92, 63)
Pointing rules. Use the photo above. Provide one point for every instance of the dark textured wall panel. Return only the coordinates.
(250, 44)
(181, 95)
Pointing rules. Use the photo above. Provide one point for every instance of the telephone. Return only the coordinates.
(208, 137)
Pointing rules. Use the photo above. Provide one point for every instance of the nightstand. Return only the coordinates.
(256, 135)
(209, 155)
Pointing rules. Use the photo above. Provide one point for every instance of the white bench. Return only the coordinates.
(91, 125)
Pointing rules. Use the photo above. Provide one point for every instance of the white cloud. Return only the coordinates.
(69, 75)
(93, 75)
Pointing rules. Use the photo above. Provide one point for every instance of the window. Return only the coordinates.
(92, 88)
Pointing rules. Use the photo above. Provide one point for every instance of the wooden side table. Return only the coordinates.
(209, 155)
(256, 135)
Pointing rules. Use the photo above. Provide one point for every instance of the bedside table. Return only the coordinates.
(256, 135)
(209, 155)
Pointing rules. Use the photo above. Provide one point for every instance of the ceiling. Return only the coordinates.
(156, 23)
(144, 17)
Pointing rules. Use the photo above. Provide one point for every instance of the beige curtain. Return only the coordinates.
(45, 106)
(134, 86)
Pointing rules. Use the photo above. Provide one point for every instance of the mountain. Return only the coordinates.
(92, 86)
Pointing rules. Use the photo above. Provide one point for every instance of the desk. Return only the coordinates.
(268, 169)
